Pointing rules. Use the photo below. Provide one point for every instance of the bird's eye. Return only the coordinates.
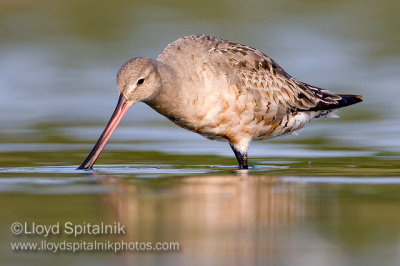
(140, 81)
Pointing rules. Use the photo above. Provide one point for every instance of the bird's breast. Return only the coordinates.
(222, 111)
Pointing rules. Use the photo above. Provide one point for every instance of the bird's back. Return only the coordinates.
(253, 96)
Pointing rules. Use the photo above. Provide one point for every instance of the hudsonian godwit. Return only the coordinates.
(222, 91)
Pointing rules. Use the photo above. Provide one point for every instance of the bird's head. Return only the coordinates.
(138, 80)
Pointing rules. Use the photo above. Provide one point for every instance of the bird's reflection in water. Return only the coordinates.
(219, 217)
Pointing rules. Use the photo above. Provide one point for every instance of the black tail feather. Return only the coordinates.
(346, 100)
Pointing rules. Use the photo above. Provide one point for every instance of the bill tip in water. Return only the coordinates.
(82, 167)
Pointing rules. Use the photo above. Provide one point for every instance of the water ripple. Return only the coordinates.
(343, 180)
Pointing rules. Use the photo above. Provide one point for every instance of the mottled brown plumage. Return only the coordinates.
(223, 91)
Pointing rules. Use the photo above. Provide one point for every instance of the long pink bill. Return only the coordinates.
(122, 107)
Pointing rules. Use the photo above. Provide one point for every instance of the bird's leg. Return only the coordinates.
(241, 157)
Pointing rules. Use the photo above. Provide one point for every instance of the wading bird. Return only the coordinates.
(222, 91)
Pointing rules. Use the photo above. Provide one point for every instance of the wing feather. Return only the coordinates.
(255, 70)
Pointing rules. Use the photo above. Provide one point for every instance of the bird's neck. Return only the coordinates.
(166, 99)
(168, 76)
